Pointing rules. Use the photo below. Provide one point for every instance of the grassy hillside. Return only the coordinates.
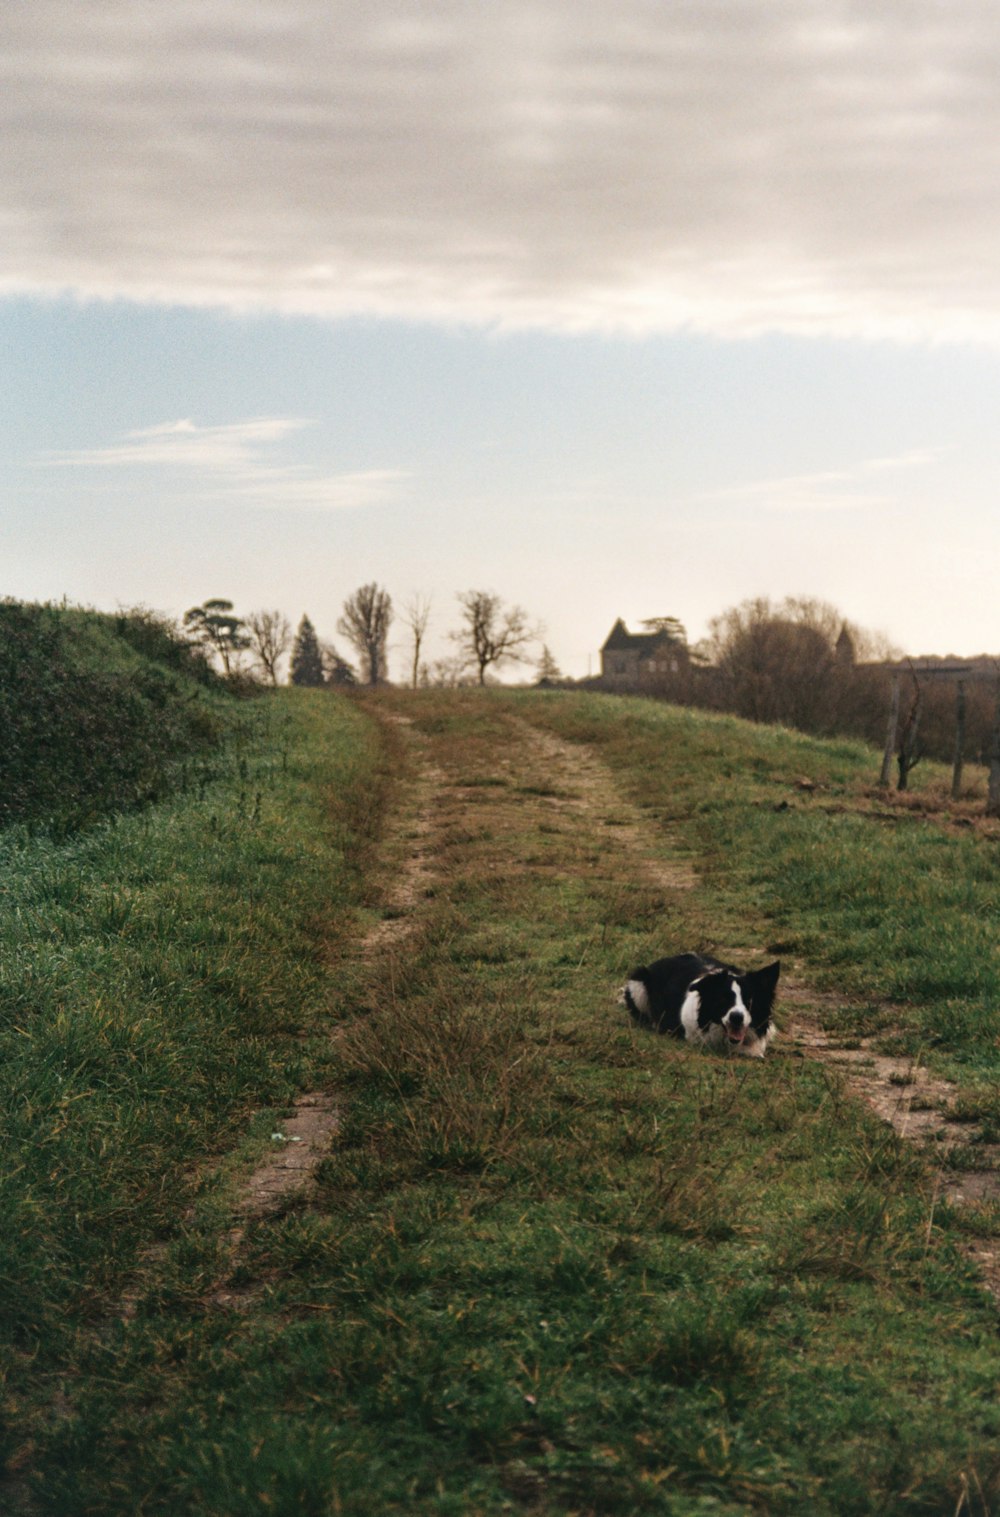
(550, 1264)
(161, 977)
(97, 712)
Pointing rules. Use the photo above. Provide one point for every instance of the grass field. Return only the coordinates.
(896, 903)
(550, 1264)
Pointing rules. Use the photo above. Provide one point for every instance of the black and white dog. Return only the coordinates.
(708, 1003)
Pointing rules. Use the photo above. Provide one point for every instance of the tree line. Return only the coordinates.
(490, 634)
(799, 663)
(796, 663)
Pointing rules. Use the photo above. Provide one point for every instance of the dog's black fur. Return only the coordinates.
(696, 997)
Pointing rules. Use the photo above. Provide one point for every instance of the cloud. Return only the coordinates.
(297, 489)
(645, 165)
(182, 444)
(228, 468)
(844, 489)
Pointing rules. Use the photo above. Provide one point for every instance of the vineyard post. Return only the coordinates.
(956, 773)
(993, 792)
(890, 736)
(908, 756)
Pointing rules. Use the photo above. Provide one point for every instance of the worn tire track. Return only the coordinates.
(581, 788)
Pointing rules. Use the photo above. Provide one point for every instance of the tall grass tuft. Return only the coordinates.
(466, 1077)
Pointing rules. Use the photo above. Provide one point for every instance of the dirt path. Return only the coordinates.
(565, 783)
(569, 784)
(303, 1137)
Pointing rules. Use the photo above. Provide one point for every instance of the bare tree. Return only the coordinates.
(493, 634)
(909, 753)
(416, 616)
(447, 673)
(270, 635)
(775, 663)
(365, 623)
(794, 662)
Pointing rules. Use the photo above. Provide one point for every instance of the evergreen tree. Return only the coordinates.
(548, 668)
(307, 660)
(674, 629)
(336, 670)
(219, 631)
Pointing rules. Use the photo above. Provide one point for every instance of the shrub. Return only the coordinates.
(90, 723)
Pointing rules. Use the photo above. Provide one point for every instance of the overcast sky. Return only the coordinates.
(615, 308)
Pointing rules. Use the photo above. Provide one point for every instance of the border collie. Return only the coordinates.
(708, 1003)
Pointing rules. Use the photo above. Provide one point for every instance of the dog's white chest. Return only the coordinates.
(690, 1008)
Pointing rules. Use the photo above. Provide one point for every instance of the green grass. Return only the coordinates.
(98, 713)
(160, 978)
(553, 1265)
(881, 902)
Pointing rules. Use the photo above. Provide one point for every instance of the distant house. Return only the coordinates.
(630, 659)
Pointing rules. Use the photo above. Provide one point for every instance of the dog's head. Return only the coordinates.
(740, 1004)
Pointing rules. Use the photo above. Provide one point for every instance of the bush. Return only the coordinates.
(157, 638)
(95, 712)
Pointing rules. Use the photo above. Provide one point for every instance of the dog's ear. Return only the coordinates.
(761, 984)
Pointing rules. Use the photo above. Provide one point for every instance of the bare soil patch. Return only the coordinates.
(917, 1105)
(300, 1140)
(584, 786)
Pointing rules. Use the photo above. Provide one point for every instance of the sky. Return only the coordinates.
(614, 308)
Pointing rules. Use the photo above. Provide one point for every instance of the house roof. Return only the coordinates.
(620, 639)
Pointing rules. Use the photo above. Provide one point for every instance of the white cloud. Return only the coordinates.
(828, 166)
(916, 458)
(229, 469)
(842, 489)
(298, 489)
(186, 445)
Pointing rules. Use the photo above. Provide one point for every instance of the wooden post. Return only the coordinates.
(993, 792)
(908, 756)
(956, 773)
(890, 735)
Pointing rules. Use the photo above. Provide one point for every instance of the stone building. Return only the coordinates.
(631, 659)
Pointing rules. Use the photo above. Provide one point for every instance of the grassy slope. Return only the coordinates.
(157, 976)
(555, 1265)
(98, 713)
